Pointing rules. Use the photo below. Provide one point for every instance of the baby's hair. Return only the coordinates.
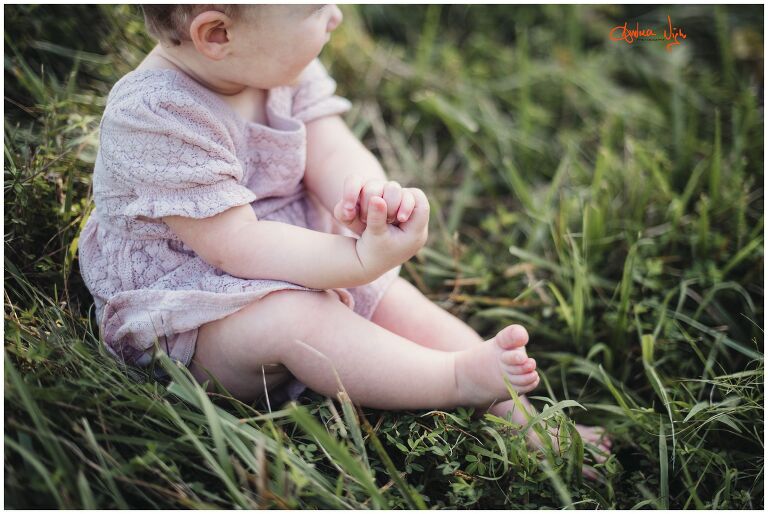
(170, 22)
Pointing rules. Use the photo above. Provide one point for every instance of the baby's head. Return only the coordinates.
(260, 46)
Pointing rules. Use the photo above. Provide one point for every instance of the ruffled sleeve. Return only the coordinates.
(314, 95)
(170, 154)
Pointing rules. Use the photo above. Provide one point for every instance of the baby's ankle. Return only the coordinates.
(466, 391)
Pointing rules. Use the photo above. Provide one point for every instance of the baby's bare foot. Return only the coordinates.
(480, 370)
(597, 437)
(595, 440)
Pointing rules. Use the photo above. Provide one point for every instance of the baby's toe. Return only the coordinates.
(521, 370)
(600, 453)
(513, 336)
(524, 383)
(594, 435)
(523, 379)
(527, 365)
(514, 358)
(530, 386)
(589, 472)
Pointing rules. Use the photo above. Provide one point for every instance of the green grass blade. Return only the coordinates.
(43, 430)
(647, 343)
(40, 468)
(663, 467)
(341, 455)
(86, 495)
(558, 485)
(106, 470)
(739, 347)
(715, 169)
(414, 499)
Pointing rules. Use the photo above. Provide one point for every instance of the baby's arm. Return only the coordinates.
(236, 242)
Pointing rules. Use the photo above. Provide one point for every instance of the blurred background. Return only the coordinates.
(606, 195)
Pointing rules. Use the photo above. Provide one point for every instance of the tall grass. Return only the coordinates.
(607, 197)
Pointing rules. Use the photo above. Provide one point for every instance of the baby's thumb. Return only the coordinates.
(377, 215)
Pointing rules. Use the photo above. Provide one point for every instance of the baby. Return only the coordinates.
(240, 227)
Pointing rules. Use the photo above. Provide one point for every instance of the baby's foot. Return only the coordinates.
(597, 437)
(596, 442)
(480, 370)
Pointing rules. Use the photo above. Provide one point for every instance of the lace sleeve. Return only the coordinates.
(172, 157)
(314, 95)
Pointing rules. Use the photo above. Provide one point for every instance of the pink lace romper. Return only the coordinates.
(168, 146)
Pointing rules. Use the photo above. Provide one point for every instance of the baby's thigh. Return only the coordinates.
(243, 350)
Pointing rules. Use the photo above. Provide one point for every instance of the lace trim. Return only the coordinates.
(195, 202)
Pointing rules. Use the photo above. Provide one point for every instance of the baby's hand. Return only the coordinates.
(383, 246)
(357, 195)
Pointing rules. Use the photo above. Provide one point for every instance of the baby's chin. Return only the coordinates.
(297, 78)
(295, 81)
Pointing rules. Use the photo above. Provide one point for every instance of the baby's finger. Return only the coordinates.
(393, 195)
(339, 213)
(420, 217)
(370, 189)
(377, 215)
(352, 186)
(406, 206)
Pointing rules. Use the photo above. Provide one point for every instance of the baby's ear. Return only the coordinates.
(209, 32)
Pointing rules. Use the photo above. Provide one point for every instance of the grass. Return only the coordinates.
(608, 197)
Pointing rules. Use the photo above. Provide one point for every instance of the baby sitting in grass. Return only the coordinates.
(240, 227)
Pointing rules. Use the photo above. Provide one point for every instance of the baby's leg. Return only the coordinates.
(407, 312)
(404, 310)
(317, 337)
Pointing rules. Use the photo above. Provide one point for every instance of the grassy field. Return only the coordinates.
(607, 196)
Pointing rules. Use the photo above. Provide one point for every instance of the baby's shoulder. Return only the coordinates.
(160, 90)
(154, 98)
(145, 88)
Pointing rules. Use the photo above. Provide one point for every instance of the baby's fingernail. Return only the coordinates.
(401, 217)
